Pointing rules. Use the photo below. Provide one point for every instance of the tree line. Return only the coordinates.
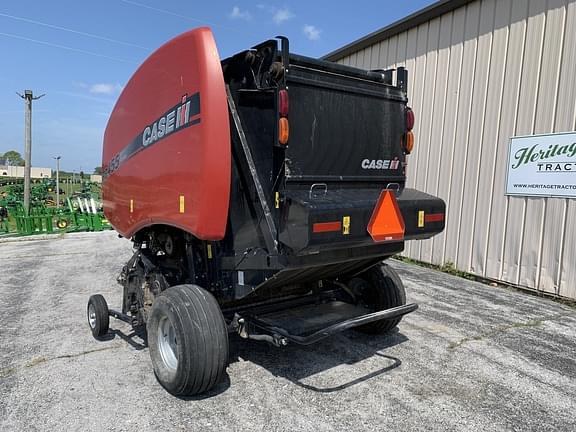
(14, 158)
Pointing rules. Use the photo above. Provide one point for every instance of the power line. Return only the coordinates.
(167, 12)
(64, 47)
(66, 29)
(186, 17)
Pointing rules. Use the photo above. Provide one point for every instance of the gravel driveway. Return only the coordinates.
(472, 358)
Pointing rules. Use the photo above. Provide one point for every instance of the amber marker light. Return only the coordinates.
(283, 131)
(409, 142)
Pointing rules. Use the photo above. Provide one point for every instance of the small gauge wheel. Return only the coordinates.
(98, 315)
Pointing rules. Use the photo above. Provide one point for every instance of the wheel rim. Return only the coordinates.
(167, 344)
(91, 316)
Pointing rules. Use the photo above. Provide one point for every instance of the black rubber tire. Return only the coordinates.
(101, 320)
(201, 340)
(380, 288)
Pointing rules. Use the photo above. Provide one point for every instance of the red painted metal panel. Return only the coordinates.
(167, 143)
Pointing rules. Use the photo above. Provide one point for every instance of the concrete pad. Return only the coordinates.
(472, 358)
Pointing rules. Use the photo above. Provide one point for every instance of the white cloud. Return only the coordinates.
(102, 100)
(281, 15)
(105, 88)
(311, 32)
(240, 14)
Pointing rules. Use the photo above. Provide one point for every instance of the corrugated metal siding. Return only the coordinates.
(479, 75)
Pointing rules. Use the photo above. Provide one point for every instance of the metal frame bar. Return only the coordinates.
(270, 232)
(120, 316)
(335, 328)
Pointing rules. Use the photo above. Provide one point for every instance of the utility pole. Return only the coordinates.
(28, 98)
(57, 181)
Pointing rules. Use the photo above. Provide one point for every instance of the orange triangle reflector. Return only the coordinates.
(386, 222)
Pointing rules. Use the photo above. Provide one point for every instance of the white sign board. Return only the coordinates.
(542, 165)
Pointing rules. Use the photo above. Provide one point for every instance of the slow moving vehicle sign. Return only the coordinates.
(542, 165)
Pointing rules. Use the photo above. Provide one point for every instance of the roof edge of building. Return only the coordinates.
(432, 11)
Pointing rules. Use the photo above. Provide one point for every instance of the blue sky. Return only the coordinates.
(82, 53)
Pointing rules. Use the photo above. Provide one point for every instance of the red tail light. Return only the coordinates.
(409, 119)
(283, 103)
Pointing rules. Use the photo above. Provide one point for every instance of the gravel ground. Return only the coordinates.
(472, 358)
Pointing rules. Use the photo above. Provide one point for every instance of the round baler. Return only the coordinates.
(261, 194)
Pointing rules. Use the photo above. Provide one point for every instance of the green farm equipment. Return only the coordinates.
(79, 210)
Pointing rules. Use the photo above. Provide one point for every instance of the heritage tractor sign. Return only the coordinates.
(542, 165)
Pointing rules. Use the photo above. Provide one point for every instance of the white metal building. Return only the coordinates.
(18, 172)
(481, 72)
(96, 178)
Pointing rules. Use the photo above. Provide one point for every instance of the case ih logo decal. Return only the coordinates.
(179, 117)
(175, 119)
(384, 164)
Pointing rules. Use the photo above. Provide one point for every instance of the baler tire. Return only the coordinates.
(387, 291)
(187, 340)
(98, 316)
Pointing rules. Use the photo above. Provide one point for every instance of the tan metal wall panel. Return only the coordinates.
(392, 49)
(454, 203)
(426, 116)
(554, 208)
(508, 114)
(360, 59)
(566, 105)
(419, 85)
(410, 61)
(492, 144)
(479, 75)
(383, 54)
(401, 49)
(568, 275)
(367, 58)
(475, 134)
(566, 121)
(514, 255)
(448, 142)
(437, 128)
(531, 237)
(352, 59)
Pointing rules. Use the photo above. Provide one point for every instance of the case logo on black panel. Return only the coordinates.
(381, 164)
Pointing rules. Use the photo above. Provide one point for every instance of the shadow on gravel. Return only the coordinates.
(312, 367)
(137, 339)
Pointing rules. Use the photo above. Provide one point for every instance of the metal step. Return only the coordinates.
(310, 323)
